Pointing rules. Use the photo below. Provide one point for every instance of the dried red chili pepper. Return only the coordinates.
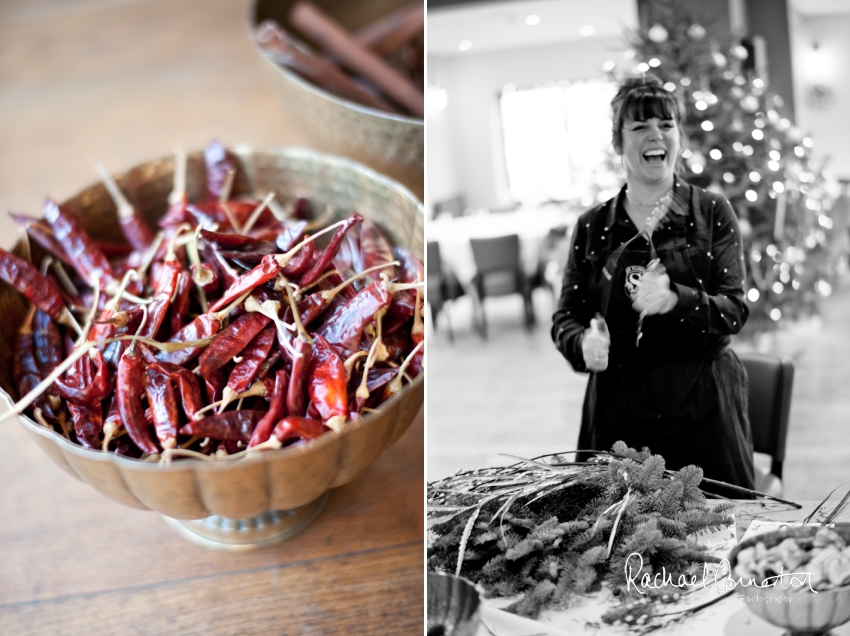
(84, 254)
(253, 355)
(277, 410)
(85, 388)
(302, 354)
(228, 240)
(214, 384)
(230, 341)
(292, 428)
(47, 342)
(230, 425)
(25, 371)
(268, 269)
(38, 288)
(269, 363)
(187, 384)
(130, 386)
(344, 327)
(88, 424)
(290, 236)
(374, 246)
(217, 163)
(300, 262)
(327, 384)
(316, 270)
(165, 286)
(42, 234)
(204, 326)
(163, 405)
(180, 305)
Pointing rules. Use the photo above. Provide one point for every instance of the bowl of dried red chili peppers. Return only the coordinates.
(220, 337)
(351, 74)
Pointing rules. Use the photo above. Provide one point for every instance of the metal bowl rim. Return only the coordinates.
(309, 86)
(223, 464)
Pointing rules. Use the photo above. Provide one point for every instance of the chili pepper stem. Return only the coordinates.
(221, 315)
(302, 332)
(255, 215)
(67, 318)
(283, 259)
(150, 254)
(363, 390)
(351, 361)
(92, 312)
(200, 276)
(179, 189)
(258, 389)
(108, 432)
(224, 196)
(39, 417)
(272, 443)
(63, 424)
(320, 221)
(418, 329)
(336, 423)
(394, 385)
(270, 309)
(125, 210)
(62, 275)
(331, 293)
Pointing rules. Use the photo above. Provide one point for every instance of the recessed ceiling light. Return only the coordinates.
(532, 20)
(465, 45)
(587, 30)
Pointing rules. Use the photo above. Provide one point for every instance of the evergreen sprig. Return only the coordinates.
(543, 527)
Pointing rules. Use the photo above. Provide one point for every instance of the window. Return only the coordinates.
(557, 140)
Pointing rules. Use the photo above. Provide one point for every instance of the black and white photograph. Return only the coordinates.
(638, 295)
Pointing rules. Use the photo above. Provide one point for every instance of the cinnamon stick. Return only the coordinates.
(388, 33)
(315, 24)
(283, 49)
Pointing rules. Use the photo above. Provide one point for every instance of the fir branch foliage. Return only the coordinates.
(545, 544)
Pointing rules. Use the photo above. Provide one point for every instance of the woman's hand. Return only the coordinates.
(595, 343)
(654, 295)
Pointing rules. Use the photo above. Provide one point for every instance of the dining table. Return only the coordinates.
(728, 617)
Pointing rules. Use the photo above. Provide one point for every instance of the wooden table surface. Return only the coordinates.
(126, 81)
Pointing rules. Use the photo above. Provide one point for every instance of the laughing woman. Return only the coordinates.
(653, 289)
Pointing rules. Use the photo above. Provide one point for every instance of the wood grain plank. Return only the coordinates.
(371, 593)
(60, 534)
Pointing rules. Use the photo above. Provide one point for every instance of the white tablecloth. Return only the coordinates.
(532, 226)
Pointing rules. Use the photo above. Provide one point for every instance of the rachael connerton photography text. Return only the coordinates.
(722, 578)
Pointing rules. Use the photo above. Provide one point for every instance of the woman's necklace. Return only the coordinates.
(646, 205)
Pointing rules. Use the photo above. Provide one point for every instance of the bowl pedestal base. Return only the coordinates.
(240, 535)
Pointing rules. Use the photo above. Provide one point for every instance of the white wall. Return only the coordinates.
(829, 66)
(464, 141)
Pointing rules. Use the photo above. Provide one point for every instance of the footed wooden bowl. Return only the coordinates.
(256, 500)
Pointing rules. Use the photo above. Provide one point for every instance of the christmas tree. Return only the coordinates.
(742, 144)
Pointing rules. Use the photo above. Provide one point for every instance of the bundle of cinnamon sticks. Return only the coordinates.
(381, 65)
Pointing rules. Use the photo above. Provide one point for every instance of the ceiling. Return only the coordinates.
(500, 24)
(494, 26)
(820, 7)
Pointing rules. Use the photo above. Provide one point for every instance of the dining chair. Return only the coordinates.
(551, 261)
(771, 379)
(442, 286)
(499, 272)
